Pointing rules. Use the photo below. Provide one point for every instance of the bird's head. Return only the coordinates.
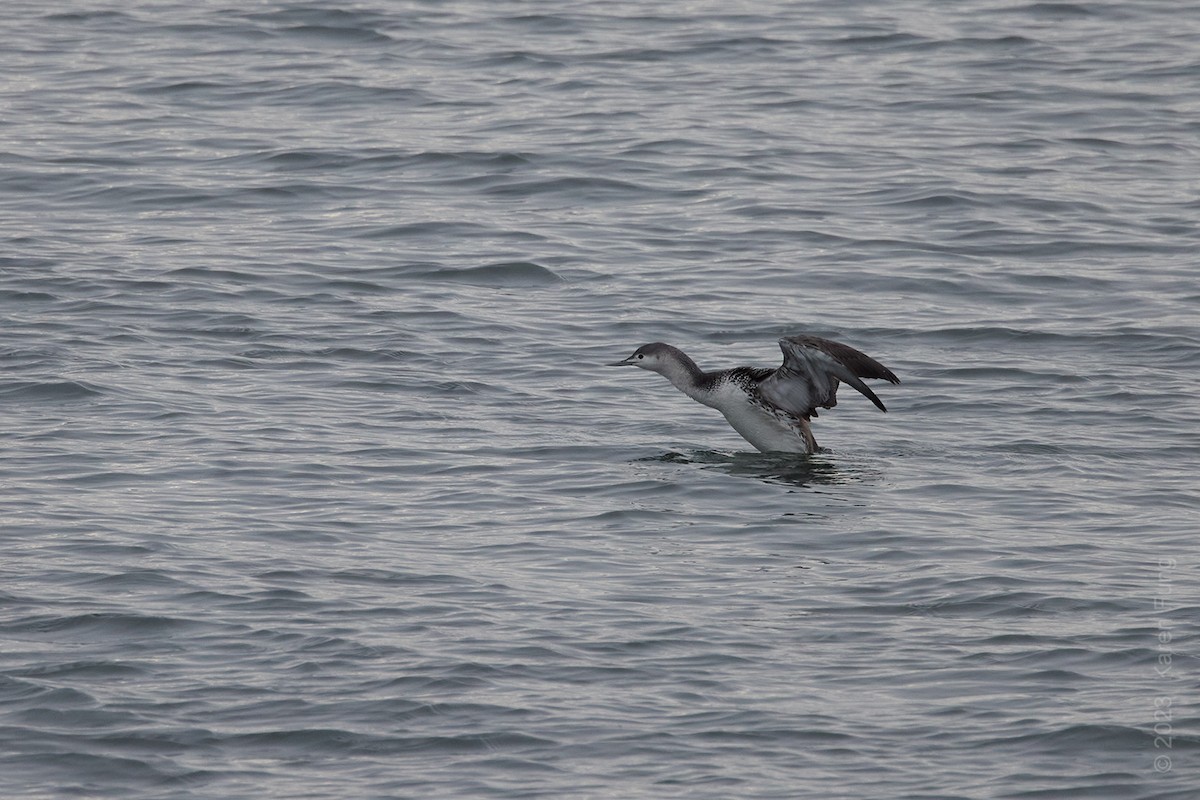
(656, 357)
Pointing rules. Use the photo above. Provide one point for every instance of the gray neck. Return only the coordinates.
(683, 374)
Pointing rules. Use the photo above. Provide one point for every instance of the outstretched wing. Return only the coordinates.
(811, 369)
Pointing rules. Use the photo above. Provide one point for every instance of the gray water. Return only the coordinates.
(313, 485)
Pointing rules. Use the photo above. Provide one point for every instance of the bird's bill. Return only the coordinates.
(625, 362)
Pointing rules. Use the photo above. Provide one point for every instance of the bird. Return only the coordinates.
(770, 408)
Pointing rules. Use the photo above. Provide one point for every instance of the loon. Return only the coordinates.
(770, 408)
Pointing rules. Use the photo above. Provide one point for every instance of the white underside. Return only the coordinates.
(761, 428)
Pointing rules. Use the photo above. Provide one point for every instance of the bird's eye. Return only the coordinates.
(640, 356)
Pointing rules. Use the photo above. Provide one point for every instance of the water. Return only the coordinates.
(313, 487)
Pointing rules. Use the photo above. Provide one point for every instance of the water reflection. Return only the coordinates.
(792, 469)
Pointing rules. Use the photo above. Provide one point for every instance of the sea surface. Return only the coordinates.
(313, 483)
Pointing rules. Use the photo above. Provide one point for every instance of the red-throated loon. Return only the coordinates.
(770, 408)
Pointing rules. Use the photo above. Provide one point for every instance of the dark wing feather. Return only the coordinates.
(811, 369)
(857, 362)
